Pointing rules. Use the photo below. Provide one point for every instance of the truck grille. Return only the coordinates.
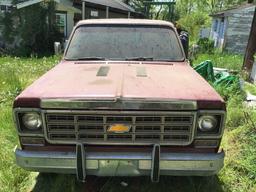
(146, 128)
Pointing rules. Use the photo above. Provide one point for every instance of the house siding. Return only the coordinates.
(102, 13)
(238, 30)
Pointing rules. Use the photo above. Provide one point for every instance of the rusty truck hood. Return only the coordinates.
(123, 80)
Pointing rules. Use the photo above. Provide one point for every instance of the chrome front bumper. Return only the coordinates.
(85, 163)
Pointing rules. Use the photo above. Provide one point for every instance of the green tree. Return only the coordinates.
(194, 14)
(8, 29)
(34, 26)
(193, 22)
(137, 4)
(208, 6)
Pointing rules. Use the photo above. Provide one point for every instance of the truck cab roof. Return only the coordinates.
(125, 22)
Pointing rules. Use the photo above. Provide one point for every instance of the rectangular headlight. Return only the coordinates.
(210, 124)
(28, 121)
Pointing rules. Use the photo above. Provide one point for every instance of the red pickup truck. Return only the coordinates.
(123, 101)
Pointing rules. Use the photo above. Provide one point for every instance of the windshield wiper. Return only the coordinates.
(139, 59)
(89, 58)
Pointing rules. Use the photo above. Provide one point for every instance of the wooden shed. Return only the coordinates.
(231, 28)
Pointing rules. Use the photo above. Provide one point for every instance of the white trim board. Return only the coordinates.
(30, 2)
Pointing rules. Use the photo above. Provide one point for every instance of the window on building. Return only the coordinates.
(215, 26)
(5, 8)
(9, 8)
(61, 22)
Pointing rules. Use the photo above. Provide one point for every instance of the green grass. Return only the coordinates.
(239, 173)
(239, 141)
(251, 88)
(15, 75)
(221, 60)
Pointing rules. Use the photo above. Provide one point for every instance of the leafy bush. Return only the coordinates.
(228, 92)
(205, 45)
(31, 30)
(193, 23)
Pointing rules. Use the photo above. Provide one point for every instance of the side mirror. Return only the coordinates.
(184, 38)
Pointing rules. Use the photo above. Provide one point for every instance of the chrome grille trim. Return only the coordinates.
(118, 104)
(90, 127)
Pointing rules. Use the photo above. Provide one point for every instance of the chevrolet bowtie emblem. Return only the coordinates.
(119, 128)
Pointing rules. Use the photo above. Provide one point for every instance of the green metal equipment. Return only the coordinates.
(216, 77)
(205, 69)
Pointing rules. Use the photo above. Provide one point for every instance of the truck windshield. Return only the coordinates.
(124, 43)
